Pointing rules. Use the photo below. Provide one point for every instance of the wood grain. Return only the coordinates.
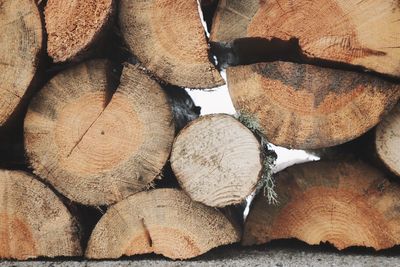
(387, 140)
(169, 40)
(33, 220)
(217, 160)
(20, 48)
(344, 203)
(364, 33)
(307, 107)
(94, 146)
(73, 27)
(161, 221)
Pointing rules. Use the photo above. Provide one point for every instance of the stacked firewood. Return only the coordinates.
(104, 155)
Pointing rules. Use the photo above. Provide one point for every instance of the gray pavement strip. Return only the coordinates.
(279, 254)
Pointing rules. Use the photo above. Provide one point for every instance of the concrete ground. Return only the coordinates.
(279, 254)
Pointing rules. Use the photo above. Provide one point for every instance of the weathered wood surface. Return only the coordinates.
(20, 50)
(387, 140)
(217, 160)
(96, 142)
(161, 221)
(307, 107)
(344, 203)
(73, 27)
(33, 220)
(169, 40)
(364, 33)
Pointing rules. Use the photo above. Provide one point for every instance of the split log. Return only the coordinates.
(334, 30)
(345, 204)
(217, 160)
(308, 107)
(169, 40)
(162, 221)
(97, 146)
(20, 49)
(73, 27)
(232, 19)
(387, 140)
(33, 220)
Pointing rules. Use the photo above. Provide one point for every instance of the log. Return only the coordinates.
(232, 19)
(74, 27)
(20, 50)
(387, 140)
(33, 220)
(161, 221)
(169, 40)
(308, 107)
(334, 30)
(344, 203)
(94, 145)
(217, 160)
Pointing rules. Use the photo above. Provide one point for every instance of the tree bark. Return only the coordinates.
(162, 221)
(20, 49)
(308, 107)
(217, 160)
(344, 203)
(95, 141)
(334, 30)
(169, 40)
(73, 27)
(33, 220)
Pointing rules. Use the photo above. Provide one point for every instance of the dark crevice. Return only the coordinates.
(208, 7)
(245, 51)
(147, 233)
(184, 109)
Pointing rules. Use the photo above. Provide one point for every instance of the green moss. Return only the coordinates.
(267, 181)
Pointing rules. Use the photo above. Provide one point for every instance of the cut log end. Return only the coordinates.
(162, 221)
(388, 140)
(29, 212)
(93, 149)
(156, 32)
(217, 160)
(345, 204)
(232, 19)
(335, 30)
(20, 46)
(74, 26)
(307, 107)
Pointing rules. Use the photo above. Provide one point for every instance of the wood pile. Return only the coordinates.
(103, 153)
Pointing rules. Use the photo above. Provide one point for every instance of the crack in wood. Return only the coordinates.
(83, 135)
(147, 233)
(13, 93)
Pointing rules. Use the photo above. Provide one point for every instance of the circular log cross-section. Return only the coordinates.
(308, 107)
(161, 221)
(364, 33)
(20, 46)
(169, 40)
(388, 140)
(74, 26)
(217, 160)
(345, 204)
(33, 220)
(93, 148)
